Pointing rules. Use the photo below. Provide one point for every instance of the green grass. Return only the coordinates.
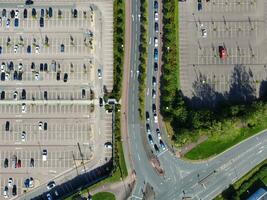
(104, 196)
(227, 134)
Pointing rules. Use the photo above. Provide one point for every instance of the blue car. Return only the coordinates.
(27, 183)
(29, 49)
(16, 24)
(156, 55)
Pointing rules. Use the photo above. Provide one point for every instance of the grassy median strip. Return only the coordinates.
(143, 48)
(104, 196)
(247, 185)
(118, 44)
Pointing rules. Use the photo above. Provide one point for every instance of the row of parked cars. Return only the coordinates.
(154, 89)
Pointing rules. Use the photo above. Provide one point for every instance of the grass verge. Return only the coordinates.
(229, 133)
(143, 48)
(247, 185)
(104, 196)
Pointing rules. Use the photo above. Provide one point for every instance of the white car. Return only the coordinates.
(99, 73)
(156, 41)
(23, 108)
(20, 67)
(156, 16)
(31, 183)
(51, 185)
(10, 182)
(23, 136)
(5, 193)
(44, 155)
(15, 95)
(37, 49)
(37, 76)
(155, 118)
(15, 48)
(108, 145)
(7, 23)
(3, 66)
(17, 14)
(40, 125)
(204, 32)
(158, 133)
(7, 76)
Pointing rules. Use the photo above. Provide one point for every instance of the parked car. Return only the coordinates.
(28, 49)
(150, 139)
(156, 148)
(23, 108)
(41, 22)
(7, 125)
(156, 27)
(155, 66)
(25, 13)
(162, 145)
(2, 95)
(51, 185)
(32, 162)
(14, 190)
(156, 16)
(147, 116)
(65, 78)
(148, 130)
(44, 155)
(156, 56)
(6, 163)
(108, 145)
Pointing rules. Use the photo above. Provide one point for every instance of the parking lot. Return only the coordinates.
(55, 62)
(217, 39)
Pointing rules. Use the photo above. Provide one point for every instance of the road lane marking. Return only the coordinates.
(133, 17)
(147, 92)
(138, 156)
(162, 152)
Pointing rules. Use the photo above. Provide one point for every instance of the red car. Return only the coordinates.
(222, 52)
(18, 165)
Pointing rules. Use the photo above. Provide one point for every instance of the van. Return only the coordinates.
(44, 155)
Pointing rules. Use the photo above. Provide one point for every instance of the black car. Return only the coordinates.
(156, 27)
(14, 190)
(50, 12)
(148, 130)
(12, 14)
(7, 125)
(75, 13)
(154, 108)
(33, 65)
(65, 79)
(6, 163)
(100, 102)
(147, 116)
(150, 139)
(156, 5)
(3, 95)
(45, 95)
(45, 67)
(15, 75)
(41, 22)
(23, 94)
(28, 49)
(25, 13)
(58, 76)
(45, 126)
(34, 12)
(4, 13)
(32, 162)
(10, 65)
(0, 49)
(154, 81)
(3, 76)
(83, 93)
(62, 48)
(156, 66)
(29, 2)
(42, 12)
(41, 67)
(156, 148)
(20, 76)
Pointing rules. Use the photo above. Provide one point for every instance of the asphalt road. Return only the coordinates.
(203, 180)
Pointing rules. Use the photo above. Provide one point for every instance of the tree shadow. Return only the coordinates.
(242, 88)
(204, 94)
